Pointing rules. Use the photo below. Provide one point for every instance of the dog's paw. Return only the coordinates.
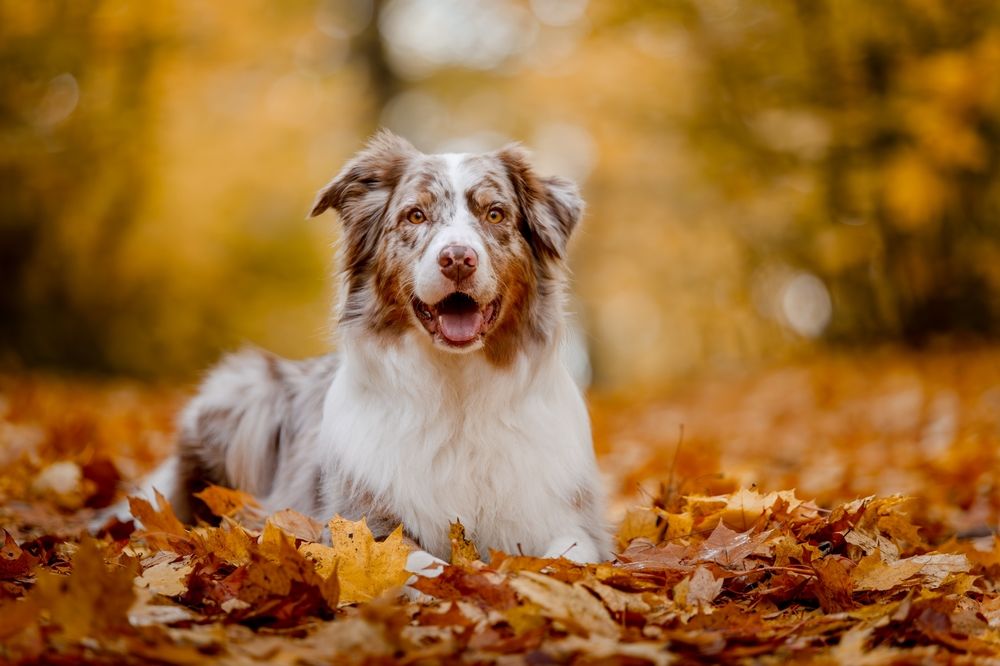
(423, 564)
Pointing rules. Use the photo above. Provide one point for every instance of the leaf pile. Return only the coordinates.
(706, 571)
(733, 577)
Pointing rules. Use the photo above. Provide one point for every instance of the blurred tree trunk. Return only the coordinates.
(382, 78)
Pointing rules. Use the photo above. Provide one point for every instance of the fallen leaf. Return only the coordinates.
(366, 568)
(931, 570)
(463, 551)
(572, 605)
(323, 556)
(166, 578)
(833, 585)
(487, 588)
(226, 502)
(228, 542)
(639, 522)
(298, 525)
(93, 600)
(14, 562)
(728, 548)
(873, 542)
(605, 649)
(617, 601)
(744, 507)
(698, 591)
(161, 528)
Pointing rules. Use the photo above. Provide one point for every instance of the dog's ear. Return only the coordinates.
(551, 207)
(364, 184)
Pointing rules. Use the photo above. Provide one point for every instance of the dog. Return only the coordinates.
(447, 399)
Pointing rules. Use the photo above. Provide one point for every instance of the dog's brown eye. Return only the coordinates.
(496, 215)
(416, 216)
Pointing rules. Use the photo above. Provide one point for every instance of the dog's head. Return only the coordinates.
(467, 249)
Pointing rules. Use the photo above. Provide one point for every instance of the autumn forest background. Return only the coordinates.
(788, 277)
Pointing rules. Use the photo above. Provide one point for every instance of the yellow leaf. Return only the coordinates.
(229, 542)
(463, 551)
(324, 557)
(639, 522)
(161, 528)
(365, 567)
(93, 600)
(226, 501)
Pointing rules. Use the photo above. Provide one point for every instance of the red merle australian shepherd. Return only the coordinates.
(448, 398)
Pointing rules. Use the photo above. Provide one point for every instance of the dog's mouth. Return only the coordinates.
(457, 320)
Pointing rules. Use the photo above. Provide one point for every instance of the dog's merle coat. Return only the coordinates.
(412, 422)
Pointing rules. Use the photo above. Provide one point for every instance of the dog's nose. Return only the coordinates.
(458, 262)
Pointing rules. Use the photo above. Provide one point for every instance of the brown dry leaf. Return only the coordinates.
(487, 588)
(873, 542)
(615, 600)
(728, 548)
(280, 582)
(833, 586)
(463, 551)
(167, 578)
(366, 568)
(298, 525)
(642, 554)
(161, 528)
(603, 649)
(226, 502)
(990, 608)
(93, 600)
(14, 561)
(698, 591)
(150, 609)
(931, 569)
(571, 605)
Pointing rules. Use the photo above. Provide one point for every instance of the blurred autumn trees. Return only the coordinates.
(884, 118)
(69, 189)
(124, 247)
(761, 174)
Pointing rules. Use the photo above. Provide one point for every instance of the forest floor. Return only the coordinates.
(840, 510)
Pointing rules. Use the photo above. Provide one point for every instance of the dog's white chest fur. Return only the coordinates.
(442, 438)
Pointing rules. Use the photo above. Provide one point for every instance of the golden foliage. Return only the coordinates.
(724, 150)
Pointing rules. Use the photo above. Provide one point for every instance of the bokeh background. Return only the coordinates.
(765, 178)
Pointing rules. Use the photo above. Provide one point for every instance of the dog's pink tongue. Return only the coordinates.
(460, 326)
